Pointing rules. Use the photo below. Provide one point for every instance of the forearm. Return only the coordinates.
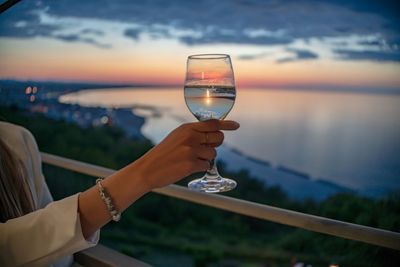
(124, 186)
(184, 151)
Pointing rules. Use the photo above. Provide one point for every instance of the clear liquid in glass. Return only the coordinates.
(210, 102)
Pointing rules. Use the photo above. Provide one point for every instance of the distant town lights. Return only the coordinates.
(28, 90)
(104, 120)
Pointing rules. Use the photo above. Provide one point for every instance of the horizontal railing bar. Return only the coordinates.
(314, 223)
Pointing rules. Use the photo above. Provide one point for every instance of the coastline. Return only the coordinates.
(298, 185)
(136, 122)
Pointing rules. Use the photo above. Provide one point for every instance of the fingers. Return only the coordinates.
(197, 159)
(201, 165)
(196, 143)
(215, 138)
(206, 153)
(214, 125)
(208, 138)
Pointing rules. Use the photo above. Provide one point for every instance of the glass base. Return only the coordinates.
(208, 185)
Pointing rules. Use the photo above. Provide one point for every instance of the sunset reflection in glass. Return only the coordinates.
(210, 94)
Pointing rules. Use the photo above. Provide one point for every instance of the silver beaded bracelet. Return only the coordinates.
(115, 215)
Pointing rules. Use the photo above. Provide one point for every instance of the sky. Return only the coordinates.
(301, 44)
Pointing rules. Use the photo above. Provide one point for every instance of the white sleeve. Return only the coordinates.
(44, 236)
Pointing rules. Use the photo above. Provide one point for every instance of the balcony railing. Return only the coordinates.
(101, 256)
(314, 223)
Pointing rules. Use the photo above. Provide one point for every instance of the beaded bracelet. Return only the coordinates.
(115, 215)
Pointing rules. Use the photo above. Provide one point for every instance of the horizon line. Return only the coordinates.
(305, 87)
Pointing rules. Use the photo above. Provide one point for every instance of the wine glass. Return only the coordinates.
(210, 94)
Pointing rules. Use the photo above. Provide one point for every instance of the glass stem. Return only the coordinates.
(212, 173)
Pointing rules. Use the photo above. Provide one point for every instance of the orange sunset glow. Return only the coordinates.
(130, 64)
(121, 52)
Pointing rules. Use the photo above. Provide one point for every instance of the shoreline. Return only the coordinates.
(297, 184)
(134, 119)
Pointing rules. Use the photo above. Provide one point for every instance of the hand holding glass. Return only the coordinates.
(210, 94)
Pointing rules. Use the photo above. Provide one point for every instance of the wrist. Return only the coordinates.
(142, 175)
(127, 185)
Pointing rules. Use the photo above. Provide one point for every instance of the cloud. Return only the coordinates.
(24, 25)
(78, 38)
(132, 33)
(245, 22)
(252, 56)
(298, 54)
(92, 32)
(217, 36)
(69, 37)
(369, 55)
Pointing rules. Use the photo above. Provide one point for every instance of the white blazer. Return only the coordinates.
(49, 235)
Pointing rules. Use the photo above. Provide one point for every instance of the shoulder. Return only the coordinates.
(9, 128)
(15, 135)
(23, 144)
(21, 141)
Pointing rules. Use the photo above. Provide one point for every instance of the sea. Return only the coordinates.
(312, 144)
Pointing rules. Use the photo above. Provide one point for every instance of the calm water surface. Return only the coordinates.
(348, 138)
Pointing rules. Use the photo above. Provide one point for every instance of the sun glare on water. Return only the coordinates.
(208, 98)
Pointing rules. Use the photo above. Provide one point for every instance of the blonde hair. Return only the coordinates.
(15, 195)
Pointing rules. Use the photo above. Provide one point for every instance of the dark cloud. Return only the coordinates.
(388, 9)
(159, 33)
(95, 43)
(255, 22)
(24, 23)
(68, 37)
(368, 55)
(132, 33)
(371, 43)
(298, 55)
(92, 32)
(252, 56)
(218, 37)
(78, 38)
(300, 18)
(84, 36)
